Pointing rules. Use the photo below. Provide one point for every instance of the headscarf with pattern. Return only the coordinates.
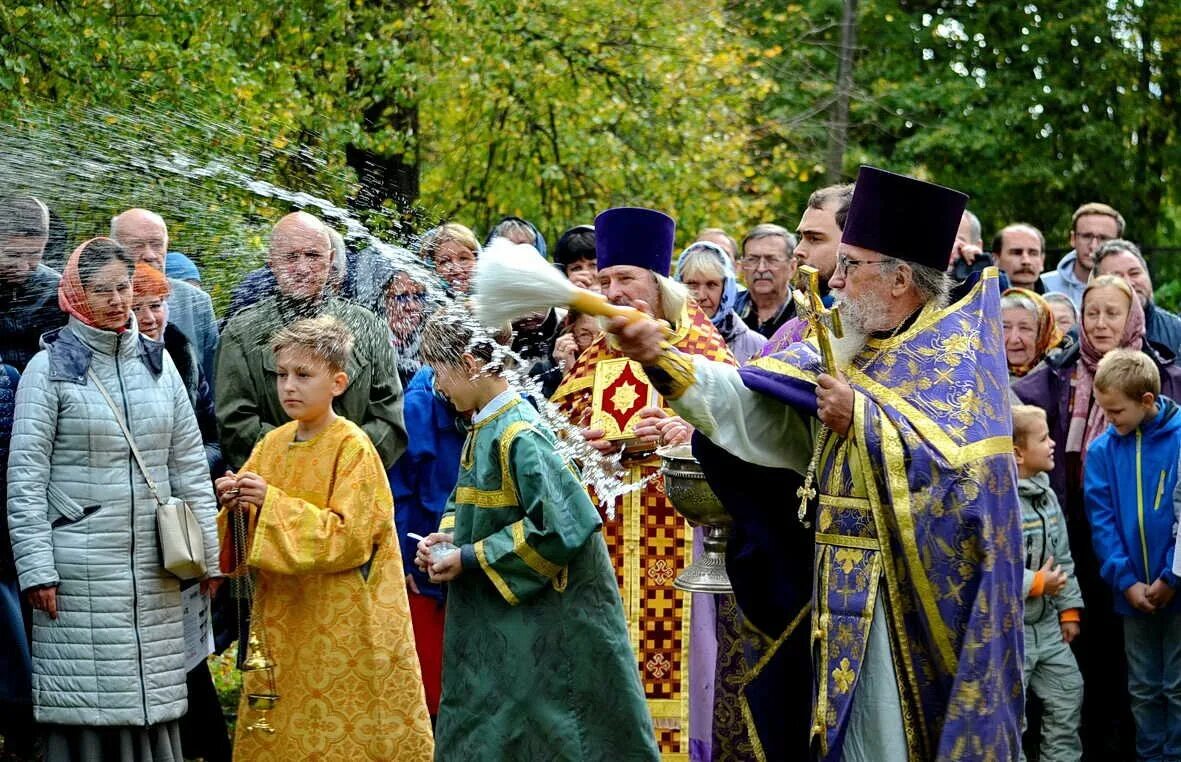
(1048, 332)
(71, 295)
(1087, 419)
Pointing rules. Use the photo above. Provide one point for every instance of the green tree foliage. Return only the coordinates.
(551, 109)
(555, 109)
(1032, 108)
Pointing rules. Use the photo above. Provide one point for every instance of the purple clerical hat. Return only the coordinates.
(904, 218)
(629, 235)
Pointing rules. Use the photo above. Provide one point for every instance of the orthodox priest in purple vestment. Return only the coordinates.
(901, 428)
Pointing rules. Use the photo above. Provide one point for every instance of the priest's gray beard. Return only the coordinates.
(859, 319)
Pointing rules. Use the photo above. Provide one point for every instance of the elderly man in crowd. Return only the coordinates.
(916, 619)
(1123, 258)
(768, 265)
(1020, 251)
(145, 236)
(28, 289)
(1091, 226)
(300, 255)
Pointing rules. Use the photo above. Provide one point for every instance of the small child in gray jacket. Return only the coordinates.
(1053, 600)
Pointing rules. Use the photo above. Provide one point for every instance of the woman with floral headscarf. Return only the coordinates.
(706, 270)
(108, 646)
(1030, 330)
(1064, 387)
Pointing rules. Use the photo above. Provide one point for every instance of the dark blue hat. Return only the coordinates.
(629, 235)
(904, 218)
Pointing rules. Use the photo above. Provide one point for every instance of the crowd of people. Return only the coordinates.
(984, 454)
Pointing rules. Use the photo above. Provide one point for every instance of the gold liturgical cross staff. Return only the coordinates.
(825, 324)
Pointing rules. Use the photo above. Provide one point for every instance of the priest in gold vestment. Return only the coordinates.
(673, 633)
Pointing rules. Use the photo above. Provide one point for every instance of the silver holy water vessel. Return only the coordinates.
(690, 493)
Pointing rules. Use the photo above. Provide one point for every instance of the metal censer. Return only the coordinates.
(686, 487)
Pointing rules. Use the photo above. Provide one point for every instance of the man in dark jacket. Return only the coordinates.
(1123, 258)
(28, 289)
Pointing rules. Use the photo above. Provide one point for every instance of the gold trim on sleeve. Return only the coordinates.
(679, 368)
(529, 554)
(497, 580)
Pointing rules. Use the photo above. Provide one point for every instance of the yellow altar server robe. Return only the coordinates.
(330, 605)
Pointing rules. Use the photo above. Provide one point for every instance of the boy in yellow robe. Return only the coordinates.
(330, 608)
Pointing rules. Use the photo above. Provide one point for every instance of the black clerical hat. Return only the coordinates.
(904, 218)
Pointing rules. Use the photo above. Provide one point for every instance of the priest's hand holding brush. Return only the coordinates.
(513, 280)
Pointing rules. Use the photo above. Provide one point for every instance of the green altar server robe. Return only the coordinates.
(536, 658)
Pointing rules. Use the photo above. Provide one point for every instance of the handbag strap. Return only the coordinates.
(126, 433)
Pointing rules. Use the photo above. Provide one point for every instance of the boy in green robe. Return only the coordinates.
(536, 658)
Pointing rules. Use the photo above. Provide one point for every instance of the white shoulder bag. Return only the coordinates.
(181, 544)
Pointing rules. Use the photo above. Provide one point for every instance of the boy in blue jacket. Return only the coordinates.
(1130, 475)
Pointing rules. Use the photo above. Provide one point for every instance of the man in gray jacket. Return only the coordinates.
(144, 234)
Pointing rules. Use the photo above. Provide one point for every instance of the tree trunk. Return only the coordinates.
(839, 126)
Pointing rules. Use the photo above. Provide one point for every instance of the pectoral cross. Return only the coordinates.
(825, 322)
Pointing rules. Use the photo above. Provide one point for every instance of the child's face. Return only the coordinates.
(455, 383)
(306, 384)
(1123, 412)
(1036, 451)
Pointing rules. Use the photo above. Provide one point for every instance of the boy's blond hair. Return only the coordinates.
(325, 338)
(1128, 371)
(1025, 417)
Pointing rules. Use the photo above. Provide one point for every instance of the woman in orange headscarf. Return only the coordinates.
(1030, 330)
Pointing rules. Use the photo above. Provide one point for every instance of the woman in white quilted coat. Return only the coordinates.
(108, 646)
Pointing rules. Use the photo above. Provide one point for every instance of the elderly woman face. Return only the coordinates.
(108, 295)
(1105, 312)
(706, 289)
(1021, 337)
(1063, 316)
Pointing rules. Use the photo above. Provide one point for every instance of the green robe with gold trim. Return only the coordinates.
(536, 658)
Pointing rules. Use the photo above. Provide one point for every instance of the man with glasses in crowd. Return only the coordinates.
(768, 267)
(1091, 226)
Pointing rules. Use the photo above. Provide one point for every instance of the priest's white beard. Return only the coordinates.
(846, 348)
(859, 319)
